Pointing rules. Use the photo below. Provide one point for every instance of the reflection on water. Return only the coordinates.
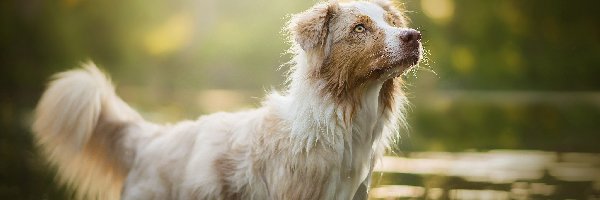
(497, 174)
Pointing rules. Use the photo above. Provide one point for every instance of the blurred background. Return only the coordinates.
(506, 106)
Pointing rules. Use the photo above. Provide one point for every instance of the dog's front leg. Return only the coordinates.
(361, 192)
(363, 188)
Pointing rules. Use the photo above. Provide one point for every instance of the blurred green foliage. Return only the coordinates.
(500, 74)
(508, 74)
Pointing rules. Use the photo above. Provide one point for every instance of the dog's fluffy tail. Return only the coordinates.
(81, 127)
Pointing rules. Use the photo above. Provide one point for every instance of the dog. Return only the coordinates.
(317, 139)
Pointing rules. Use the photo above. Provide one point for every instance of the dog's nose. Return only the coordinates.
(410, 35)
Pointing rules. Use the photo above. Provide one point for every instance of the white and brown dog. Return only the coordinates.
(319, 139)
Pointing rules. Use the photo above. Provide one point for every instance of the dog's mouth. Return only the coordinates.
(399, 66)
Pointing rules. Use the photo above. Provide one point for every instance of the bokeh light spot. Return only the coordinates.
(463, 60)
(169, 36)
(438, 10)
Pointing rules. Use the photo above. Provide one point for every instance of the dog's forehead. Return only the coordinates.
(373, 11)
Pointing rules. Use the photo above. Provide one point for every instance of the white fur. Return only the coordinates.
(80, 115)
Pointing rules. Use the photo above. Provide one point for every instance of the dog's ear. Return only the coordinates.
(310, 28)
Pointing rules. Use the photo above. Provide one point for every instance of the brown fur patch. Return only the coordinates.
(309, 178)
(226, 165)
(310, 28)
(354, 59)
(104, 145)
(389, 88)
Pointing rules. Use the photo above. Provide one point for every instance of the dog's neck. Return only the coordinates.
(318, 124)
(316, 119)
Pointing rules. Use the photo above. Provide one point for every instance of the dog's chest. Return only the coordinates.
(366, 128)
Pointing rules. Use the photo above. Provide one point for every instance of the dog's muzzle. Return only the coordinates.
(411, 45)
(410, 37)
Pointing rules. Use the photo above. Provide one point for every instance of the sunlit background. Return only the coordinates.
(507, 105)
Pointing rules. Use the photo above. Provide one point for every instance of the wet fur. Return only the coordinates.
(319, 139)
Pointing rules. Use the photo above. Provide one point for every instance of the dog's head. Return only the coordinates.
(351, 44)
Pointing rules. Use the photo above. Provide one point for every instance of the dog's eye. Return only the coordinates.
(359, 28)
